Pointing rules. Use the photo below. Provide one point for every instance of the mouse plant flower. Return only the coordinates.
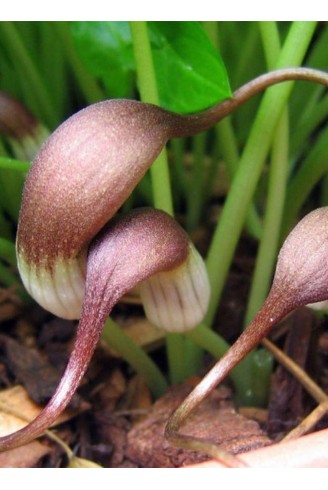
(131, 250)
(78, 180)
(86, 170)
(24, 133)
(301, 278)
(77, 263)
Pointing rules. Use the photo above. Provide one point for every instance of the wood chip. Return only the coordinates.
(32, 370)
(214, 420)
(28, 456)
(16, 408)
(287, 404)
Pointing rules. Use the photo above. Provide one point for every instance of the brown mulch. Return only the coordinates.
(113, 419)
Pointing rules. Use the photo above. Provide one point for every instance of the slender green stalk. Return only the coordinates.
(309, 122)
(229, 150)
(11, 184)
(114, 336)
(7, 278)
(312, 169)
(149, 93)
(3, 151)
(211, 29)
(226, 135)
(196, 190)
(251, 163)
(86, 82)
(7, 163)
(271, 42)
(324, 191)
(211, 177)
(269, 244)
(7, 251)
(228, 145)
(53, 65)
(246, 61)
(217, 347)
(261, 365)
(159, 172)
(24, 62)
(268, 248)
(5, 228)
(179, 180)
(308, 98)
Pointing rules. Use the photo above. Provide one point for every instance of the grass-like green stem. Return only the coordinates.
(114, 336)
(269, 243)
(311, 170)
(7, 251)
(27, 67)
(233, 215)
(159, 172)
(88, 85)
(7, 163)
(149, 93)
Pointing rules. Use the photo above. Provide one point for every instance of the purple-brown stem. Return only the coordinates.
(274, 309)
(15, 120)
(129, 250)
(92, 162)
(87, 336)
(193, 124)
(301, 277)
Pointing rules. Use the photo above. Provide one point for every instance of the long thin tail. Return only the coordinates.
(270, 314)
(184, 125)
(86, 340)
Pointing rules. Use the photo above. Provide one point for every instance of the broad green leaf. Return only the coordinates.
(191, 76)
(105, 49)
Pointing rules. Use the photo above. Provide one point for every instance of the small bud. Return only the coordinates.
(302, 267)
(23, 132)
(157, 255)
(301, 278)
(177, 300)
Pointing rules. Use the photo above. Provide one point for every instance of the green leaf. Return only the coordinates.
(105, 48)
(190, 74)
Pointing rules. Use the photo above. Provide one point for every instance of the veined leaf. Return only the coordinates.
(190, 74)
